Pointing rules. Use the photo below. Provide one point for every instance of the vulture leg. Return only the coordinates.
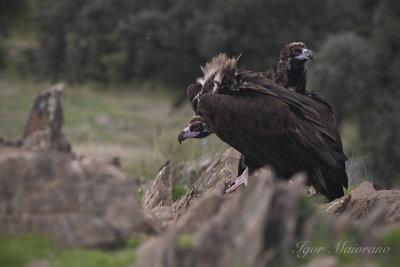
(242, 179)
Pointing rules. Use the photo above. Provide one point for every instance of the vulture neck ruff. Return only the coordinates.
(219, 67)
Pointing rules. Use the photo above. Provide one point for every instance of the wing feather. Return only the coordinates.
(265, 131)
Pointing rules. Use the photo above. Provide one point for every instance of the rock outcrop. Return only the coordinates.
(43, 129)
(222, 172)
(360, 202)
(260, 225)
(250, 227)
(47, 190)
(160, 192)
(75, 202)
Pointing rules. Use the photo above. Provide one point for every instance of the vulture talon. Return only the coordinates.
(242, 179)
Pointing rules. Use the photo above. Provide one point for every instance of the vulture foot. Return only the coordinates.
(242, 179)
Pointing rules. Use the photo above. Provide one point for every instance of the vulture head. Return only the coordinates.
(197, 128)
(291, 69)
(296, 53)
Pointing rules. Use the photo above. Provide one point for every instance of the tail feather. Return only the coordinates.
(329, 182)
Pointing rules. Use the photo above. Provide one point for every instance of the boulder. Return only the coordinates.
(222, 172)
(86, 202)
(363, 200)
(186, 173)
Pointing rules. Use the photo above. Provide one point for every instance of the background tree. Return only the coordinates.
(167, 40)
(10, 12)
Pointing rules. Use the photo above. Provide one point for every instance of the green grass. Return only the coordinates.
(178, 191)
(16, 252)
(348, 190)
(91, 258)
(185, 241)
(135, 122)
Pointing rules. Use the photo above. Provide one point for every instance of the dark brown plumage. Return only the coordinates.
(292, 74)
(192, 94)
(265, 122)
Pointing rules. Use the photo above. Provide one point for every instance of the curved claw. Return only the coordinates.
(242, 179)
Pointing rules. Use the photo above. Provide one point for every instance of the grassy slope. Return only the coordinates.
(136, 124)
(16, 252)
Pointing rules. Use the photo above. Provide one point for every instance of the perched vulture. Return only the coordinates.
(268, 124)
(292, 74)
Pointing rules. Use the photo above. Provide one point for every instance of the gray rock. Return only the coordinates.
(186, 173)
(216, 177)
(363, 200)
(160, 192)
(258, 225)
(88, 203)
(43, 129)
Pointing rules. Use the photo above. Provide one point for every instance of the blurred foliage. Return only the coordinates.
(358, 72)
(10, 11)
(339, 73)
(168, 40)
(379, 129)
(356, 45)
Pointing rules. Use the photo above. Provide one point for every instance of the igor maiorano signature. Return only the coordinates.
(304, 248)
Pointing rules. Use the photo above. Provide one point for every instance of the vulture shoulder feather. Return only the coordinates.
(266, 131)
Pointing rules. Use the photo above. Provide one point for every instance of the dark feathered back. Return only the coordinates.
(229, 80)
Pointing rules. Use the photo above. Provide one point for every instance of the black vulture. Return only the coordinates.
(292, 74)
(265, 122)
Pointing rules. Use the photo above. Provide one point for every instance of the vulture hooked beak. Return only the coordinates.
(186, 134)
(306, 54)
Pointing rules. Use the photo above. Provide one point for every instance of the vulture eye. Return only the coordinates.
(296, 52)
(196, 127)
